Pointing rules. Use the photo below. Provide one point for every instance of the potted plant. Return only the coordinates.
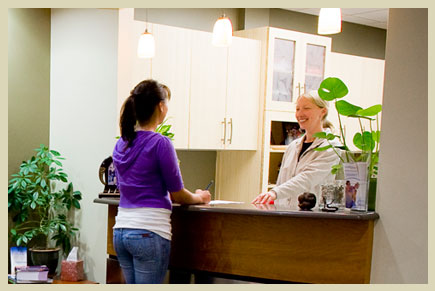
(367, 140)
(41, 204)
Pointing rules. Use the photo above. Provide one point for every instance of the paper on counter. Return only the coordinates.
(219, 202)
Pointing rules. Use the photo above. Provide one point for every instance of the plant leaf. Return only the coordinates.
(320, 134)
(345, 108)
(320, 149)
(371, 111)
(332, 88)
(376, 135)
(364, 141)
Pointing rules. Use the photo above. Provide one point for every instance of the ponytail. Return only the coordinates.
(140, 107)
(127, 121)
(327, 123)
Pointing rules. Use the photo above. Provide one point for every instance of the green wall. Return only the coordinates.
(354, 39)
(28, 83)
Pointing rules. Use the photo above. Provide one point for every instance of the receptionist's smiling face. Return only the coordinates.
(309, 115)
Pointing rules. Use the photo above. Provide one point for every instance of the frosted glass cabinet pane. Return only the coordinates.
(283, 70)
(315, 67)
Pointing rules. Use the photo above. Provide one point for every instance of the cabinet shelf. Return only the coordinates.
(278, 148)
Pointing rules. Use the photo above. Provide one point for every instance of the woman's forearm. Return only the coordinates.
(184, 196)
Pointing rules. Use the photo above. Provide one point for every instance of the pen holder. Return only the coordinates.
(72, 271)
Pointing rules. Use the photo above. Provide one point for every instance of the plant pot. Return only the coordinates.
(48, 257)
(372, 194)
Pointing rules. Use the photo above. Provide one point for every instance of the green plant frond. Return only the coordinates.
(321, 149)
(320, 134)
(34, 206)
(370, 111)
(345, 108)
(332, 88)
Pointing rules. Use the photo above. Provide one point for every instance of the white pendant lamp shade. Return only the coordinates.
(222, 32)
(146, 47)
(329, 21)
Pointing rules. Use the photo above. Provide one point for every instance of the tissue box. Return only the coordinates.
(72, 271)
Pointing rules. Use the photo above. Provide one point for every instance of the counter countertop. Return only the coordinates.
(262, 209)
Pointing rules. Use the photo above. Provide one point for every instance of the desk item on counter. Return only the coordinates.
(307, 201)
(18, 258)
(107, 176)
(72, 267)
(332, 196)
(31, 274)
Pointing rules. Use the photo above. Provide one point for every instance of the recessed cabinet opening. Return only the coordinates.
(282, 133)
(274, 166)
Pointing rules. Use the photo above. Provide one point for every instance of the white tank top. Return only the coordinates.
(157, 220)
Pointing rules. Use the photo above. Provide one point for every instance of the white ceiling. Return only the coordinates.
(376, 17)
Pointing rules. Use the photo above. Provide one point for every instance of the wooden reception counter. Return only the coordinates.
(268, 242)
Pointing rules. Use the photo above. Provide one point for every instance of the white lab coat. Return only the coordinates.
(305, 175)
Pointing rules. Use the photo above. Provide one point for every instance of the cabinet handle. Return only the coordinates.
(225, 130)
(304, 87)
(299, 89)
(231, 132)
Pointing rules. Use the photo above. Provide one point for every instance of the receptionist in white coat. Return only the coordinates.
(303, 169)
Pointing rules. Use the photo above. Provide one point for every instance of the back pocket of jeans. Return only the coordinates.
(141, 244)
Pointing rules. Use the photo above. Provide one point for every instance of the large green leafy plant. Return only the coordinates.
(367, 140)
(39, 206)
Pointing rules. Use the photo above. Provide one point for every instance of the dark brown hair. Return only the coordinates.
(139, 107)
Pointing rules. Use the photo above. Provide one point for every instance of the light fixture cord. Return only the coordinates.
(146, 20)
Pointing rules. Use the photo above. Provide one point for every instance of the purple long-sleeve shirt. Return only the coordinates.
(146, 171)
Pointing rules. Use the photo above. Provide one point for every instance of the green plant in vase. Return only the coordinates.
(367, 140)
(41, 203)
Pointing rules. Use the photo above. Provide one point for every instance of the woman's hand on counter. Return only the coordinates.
(204, 194)
(266, 206)
(184, 196)
(264, 198)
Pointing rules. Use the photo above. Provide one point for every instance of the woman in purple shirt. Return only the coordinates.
(148, 179)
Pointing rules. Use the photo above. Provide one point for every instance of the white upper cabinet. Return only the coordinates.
(364, 79)
(297, 63)
(207, 93)
(243, 94)
(171, 66)
(214, 90)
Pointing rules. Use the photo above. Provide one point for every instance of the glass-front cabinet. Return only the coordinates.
(297, 63)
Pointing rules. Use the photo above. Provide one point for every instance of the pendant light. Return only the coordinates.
(146, 47)
(329, 21)
(222, 32)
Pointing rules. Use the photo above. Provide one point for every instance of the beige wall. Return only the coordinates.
(400, 250)
(28, 83)
(83, 115)
(197, 169)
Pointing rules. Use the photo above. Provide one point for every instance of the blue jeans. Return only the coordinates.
(143, 255)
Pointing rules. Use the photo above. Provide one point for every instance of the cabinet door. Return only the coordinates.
(297, 62)
(171, 66)
(282, 71)
(207, 93)
(315, 51)
(243, 93)
(364, 79)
